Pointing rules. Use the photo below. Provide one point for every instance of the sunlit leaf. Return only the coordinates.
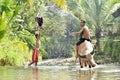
(2, 33)
(16, 11)
(20, 44)
(30, 2)
(62, 4)
(2, 22)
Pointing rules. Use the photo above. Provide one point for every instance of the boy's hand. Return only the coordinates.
(73, 33)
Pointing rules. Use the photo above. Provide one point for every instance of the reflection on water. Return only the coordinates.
(35, 73)
(87, 75)
(106, 72)
(83, 75)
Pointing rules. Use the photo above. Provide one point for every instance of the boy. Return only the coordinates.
(84, 35)
(35, 53)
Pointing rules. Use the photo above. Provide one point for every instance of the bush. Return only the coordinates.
(13, 53)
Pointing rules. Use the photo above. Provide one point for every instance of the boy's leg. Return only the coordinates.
(31, 63)
(76, 53)
(77, 44)
(36, 63)
(76, 50)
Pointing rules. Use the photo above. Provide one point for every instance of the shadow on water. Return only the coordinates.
(101, 72)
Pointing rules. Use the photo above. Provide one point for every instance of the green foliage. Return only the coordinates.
(13, 52)
(2, 25)
(112, 48)
(2, 34)
(107, 47)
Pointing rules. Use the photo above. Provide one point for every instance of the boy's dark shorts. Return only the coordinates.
(82, 40)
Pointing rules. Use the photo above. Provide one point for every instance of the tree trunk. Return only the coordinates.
(98, 36)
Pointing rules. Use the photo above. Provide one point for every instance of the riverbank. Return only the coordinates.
(59, 62)
(66, 62)
(71, 61)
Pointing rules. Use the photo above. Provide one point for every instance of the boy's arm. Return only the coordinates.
(78, 31)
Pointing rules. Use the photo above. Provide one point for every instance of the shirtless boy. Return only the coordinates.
(35, 53)
(84, 35)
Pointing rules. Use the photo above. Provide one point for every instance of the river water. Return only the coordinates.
(101, 72)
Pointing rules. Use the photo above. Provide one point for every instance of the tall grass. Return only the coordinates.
(13, 53)
(113, 49)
